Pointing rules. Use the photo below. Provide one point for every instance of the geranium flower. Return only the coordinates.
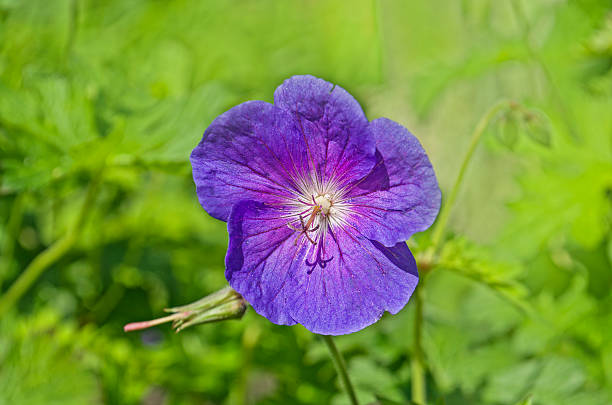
(318, 202)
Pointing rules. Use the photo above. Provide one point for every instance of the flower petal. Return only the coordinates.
(400, 196)
(344, 143)
(254, 150)
(259, 258)
(336, 287)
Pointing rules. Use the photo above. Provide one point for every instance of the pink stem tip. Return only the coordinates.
(147, 324)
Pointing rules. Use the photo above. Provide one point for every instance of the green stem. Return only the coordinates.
(417, 365)
(49, 256)
(341, 368)
(440, 226)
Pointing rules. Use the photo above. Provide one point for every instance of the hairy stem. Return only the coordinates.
(48, 256)
(341, 368)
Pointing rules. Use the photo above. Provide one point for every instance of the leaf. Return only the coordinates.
(467, 259)
(507, 385)
(20, 110)
(570, 200)
(370, 378)
(559, 378)
(38, 364)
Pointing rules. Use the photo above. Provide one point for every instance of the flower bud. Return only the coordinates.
(537, 128)
(508, 129)
(219, 306)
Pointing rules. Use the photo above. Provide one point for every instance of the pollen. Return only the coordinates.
(325, 202)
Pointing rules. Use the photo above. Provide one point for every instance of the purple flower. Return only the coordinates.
(318, 202)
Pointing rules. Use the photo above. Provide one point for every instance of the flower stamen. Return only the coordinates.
(306, 227)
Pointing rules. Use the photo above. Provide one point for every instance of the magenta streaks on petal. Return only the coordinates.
(400, 196)
(259, 258)
(343, 148)
(349, 288)
(255, 150)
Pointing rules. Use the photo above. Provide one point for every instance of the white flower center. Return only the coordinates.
(325, 202)
(316, 209)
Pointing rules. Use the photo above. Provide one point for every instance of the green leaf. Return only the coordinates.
(510, 383)
(40, 365)
(570, 200)
(472, 261)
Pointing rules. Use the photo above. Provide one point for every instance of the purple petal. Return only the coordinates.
(400, 196)
(259, 259)
(338, 286)
(253, 151)
(344, 144)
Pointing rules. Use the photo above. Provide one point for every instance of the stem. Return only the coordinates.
(147, 324)
(419, 389)
(417, 367)
(49, 256)
(341, 368)
(440, 227)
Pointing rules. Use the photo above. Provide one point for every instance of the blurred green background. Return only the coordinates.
(101, 103)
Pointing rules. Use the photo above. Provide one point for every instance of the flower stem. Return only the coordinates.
(147, 324)
(418, 359)
(341, 368)
(48, 256)
(440, 227)
(417, 367)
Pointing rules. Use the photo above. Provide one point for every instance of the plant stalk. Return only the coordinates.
(417, 364)
(442, 222)
(130, 327)
(48, 256)
(341, 368)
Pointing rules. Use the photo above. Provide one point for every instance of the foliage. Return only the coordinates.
(109, 97)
